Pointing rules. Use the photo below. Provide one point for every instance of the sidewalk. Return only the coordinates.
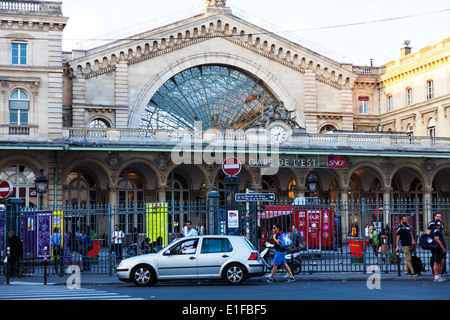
(98, 280)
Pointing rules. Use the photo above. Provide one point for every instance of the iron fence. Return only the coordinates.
(334, 237)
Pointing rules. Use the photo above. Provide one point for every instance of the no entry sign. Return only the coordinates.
(231, 166)
(6, 189)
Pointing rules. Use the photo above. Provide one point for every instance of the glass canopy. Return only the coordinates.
(216, 96)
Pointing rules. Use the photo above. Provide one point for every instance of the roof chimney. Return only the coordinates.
(406, 49)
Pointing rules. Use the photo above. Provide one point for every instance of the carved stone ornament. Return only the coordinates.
(113, 160)
(276, 112)
(429, 165)
(216, 3)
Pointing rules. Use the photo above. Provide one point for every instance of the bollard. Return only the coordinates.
(398, 264)
(8, 264)
(45, 266)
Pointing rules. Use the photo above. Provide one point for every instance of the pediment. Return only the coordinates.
(190, 32)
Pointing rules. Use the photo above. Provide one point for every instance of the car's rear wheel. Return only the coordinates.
(143, 275)
(235, 274)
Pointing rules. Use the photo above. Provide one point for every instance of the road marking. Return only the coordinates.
(29, 291)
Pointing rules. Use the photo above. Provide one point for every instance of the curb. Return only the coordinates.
(93, 280)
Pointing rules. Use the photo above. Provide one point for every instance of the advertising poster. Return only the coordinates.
(57, 222)
(157, 223)
(233, 222)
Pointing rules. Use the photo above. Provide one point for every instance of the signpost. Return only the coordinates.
(231, 166)
(254, 197)
(6, 189)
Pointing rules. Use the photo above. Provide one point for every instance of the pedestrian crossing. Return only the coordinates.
(24, 291)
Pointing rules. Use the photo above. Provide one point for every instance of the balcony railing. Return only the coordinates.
(353, 141)
(12, 131)
(31, 7)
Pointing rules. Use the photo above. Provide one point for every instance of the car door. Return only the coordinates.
(214, 252)
(179, 261)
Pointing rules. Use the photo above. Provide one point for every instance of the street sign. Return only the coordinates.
(254, 197)
(6, 189)
(231, 166)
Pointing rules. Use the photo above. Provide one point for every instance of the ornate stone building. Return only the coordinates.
(104, 123)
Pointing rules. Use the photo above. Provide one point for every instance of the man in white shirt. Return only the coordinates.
(189, 231)
(117, 237)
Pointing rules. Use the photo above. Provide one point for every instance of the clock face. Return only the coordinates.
(278, 134)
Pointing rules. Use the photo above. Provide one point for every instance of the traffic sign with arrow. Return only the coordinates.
(254, 197)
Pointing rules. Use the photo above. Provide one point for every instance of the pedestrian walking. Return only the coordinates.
(15, 254)
(296, 238)
(74, 246)
(55, 241)
(405, 238)
(385, 244)
(117, 240)
(439, 253)
(86, 246)
(375, 240)
(437, 217)
(280, 255)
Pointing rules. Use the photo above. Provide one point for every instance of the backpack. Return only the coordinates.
(285, 240)
(427, 242)
(417, 264)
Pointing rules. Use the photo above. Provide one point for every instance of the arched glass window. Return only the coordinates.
(82, 190)
(99, 124)
(431, 128)
(22, 179)
(410, 130)
(131, 190)
(219, 97)
(19, 106)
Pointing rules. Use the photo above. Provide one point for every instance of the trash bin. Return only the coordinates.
(357, 247)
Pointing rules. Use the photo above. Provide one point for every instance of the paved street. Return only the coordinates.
(307, 287)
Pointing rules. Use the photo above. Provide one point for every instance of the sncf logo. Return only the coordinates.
(336, 162)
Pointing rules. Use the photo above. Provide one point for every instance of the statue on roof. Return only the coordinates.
(216, 3)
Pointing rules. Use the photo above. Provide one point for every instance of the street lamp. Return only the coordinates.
(41, 183)
(312, 181)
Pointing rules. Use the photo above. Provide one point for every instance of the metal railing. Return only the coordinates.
(378, 141)
(335, 237)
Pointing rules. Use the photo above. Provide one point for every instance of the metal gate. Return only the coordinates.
(335, 237)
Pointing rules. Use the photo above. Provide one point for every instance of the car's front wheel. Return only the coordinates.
(235, 274)
(143, 275)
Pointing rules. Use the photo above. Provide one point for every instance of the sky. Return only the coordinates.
(314, 23)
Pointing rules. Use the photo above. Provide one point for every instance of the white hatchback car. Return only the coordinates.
(232, 258)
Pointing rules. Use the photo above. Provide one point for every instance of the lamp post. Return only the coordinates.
(41, 183)
(312, 181)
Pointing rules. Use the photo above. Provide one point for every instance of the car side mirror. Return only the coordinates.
(170, 252)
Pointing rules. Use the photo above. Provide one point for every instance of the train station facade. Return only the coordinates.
(150, 118)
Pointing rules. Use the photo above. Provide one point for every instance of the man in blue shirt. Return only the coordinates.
(280, 255)
(439, 253)
(55, 241)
